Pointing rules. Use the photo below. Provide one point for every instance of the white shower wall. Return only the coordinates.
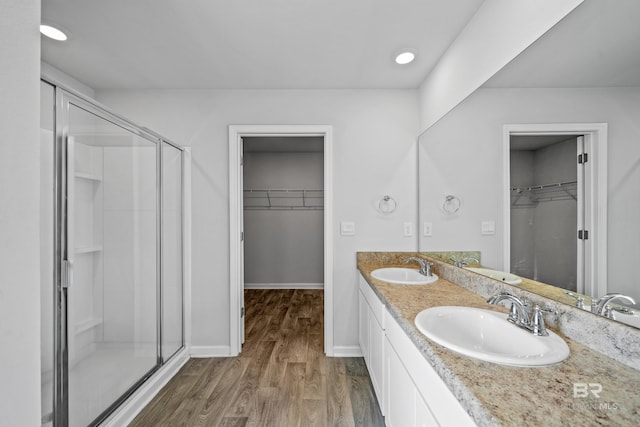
(129, 265)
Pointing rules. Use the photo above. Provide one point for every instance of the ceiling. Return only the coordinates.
(597, 45)
(251, 44)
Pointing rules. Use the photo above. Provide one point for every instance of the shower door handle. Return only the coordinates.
(67, 274)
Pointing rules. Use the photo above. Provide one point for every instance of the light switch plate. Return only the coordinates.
(427, 229)
(347, 228)
(488, 228)
(407, 229)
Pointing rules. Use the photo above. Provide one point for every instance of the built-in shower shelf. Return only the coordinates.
(87, 324)
(88, 176)
(88, 249)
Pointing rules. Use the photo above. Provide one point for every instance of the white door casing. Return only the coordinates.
(236, 244)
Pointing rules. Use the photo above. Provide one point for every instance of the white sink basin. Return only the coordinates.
(508, 278)
(402, 276)
(486, 335)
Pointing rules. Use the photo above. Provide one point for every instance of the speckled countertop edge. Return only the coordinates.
(481, 387)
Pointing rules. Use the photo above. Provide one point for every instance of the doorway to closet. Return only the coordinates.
(555, 204)
(283, 207)
(280, 217)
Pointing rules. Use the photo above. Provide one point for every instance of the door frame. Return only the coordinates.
(595, 135)
(236, 247)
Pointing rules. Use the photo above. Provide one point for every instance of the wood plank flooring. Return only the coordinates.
(282, 377)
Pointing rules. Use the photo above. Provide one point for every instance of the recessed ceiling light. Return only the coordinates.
(405, 56)
(54, 32)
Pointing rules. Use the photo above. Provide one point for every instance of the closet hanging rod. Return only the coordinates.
(544, 186)
(283, 199)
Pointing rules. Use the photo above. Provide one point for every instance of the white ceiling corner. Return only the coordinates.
(251, 44)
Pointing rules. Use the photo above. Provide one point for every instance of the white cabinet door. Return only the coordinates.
(363, 327)
(372, 337)
(401, 410)
(424, 417)
(376, 357)
(441, 403)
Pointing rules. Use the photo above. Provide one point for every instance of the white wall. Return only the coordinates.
(19, 213)
(497, 33)
(374, 154)
(462, 154)
(283, 246)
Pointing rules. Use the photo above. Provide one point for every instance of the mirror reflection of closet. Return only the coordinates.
(547, 207)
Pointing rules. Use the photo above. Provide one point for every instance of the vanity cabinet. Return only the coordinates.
(372, 337)
(409, 390)
(405, 405)
(424, 398)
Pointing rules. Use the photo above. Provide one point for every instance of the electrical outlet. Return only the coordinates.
(408, 229)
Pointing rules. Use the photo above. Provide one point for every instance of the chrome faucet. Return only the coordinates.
(601, 305)
(425, 266)
(464, 261)
(519, 314)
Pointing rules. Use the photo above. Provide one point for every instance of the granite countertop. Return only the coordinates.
(502, 395)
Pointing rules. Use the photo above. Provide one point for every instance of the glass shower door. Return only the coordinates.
(111, 253)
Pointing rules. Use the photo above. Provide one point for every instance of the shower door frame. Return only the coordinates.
(64, 98)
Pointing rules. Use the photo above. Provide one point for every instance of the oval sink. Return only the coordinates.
(402, 276)
(502, 276)
(486, 335)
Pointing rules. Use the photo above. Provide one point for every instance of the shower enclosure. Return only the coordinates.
(112, 288)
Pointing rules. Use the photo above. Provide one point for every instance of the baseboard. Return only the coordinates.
(347, 351)
(198, 351)
(141, 397)
(284, 285)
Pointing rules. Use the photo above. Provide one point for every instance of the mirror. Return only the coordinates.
(585, 70)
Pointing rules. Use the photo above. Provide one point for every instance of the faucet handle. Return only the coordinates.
(537, 321)
(608, 311)
(579, 299)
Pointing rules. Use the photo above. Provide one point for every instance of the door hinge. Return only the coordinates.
(242, 236)
(242, 312)
(583, 234)
(583, 158)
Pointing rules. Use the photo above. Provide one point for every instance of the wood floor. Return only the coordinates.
(281, 378)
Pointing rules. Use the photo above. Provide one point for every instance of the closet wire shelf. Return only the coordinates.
(283, 199)
(528, 197)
